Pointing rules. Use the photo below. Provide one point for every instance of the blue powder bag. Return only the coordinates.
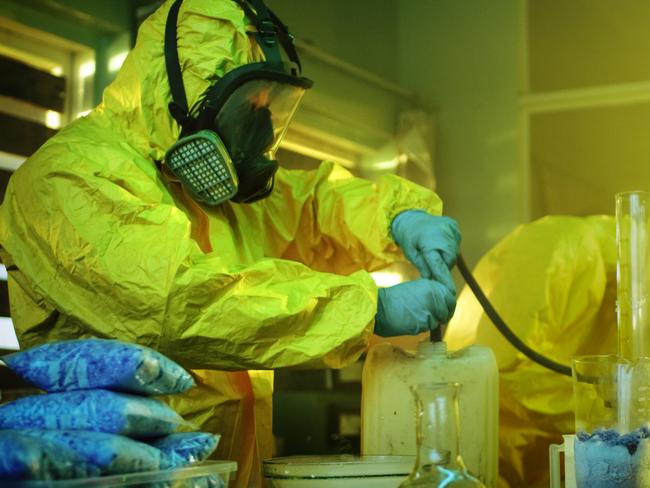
(23, 457)
(93, 410)
(87, 364)
(112, 454)
(185, 448)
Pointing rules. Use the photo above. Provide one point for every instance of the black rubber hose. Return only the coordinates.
(436, 334)
(503, 328)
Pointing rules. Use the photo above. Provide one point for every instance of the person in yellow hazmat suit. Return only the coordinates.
(162, 218)
(553, 282)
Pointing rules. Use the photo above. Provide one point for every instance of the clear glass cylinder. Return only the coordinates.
(439, 462)
(633, 258)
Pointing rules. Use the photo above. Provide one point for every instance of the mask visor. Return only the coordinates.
(254, 118)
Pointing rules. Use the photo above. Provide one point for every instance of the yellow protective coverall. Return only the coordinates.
(98, 243)
(553, 281)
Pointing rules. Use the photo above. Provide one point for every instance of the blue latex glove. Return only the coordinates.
(431, 243)
(413, 307)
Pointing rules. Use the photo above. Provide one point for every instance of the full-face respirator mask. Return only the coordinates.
(226, 150)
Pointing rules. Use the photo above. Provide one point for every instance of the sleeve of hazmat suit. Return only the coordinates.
(554, 283)
(334, 222)
(93, 237)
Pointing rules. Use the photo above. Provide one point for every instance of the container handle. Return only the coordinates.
(554, 451)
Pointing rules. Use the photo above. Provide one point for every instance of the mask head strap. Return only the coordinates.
(178, 106)
(270, 31)
(286, 39)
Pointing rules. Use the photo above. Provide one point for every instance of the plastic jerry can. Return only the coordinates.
(388, 406)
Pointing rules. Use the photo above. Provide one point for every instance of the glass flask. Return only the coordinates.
(439, 462)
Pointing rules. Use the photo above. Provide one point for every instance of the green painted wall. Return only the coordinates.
(462, 57)
(361, 32)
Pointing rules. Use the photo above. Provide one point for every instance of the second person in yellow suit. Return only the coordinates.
(553, 281)
(99, 239)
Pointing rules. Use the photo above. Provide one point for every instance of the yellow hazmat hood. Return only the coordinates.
(212, 40)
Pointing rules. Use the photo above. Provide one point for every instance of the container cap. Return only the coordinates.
(338, 466)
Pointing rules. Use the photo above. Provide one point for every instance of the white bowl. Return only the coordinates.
(336, 471)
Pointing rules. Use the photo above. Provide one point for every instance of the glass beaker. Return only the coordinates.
(600, 391)
(439, 462)
(611, 448)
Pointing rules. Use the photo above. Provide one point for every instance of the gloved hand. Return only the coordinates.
(413, 307)
(430, 242)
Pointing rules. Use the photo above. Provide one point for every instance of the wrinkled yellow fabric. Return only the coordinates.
(553, 281)
(98, 244)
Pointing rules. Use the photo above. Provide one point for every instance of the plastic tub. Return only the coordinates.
(210, 474)
(388, 413)
(337, 471)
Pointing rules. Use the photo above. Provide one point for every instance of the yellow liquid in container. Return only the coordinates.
(388, 409)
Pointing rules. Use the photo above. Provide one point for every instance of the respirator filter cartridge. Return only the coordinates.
(202, 164)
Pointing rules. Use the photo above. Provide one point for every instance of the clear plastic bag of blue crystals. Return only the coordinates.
(112, 454)
(24, 457)
(185, 448)
(86, 364)
(93, 410)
